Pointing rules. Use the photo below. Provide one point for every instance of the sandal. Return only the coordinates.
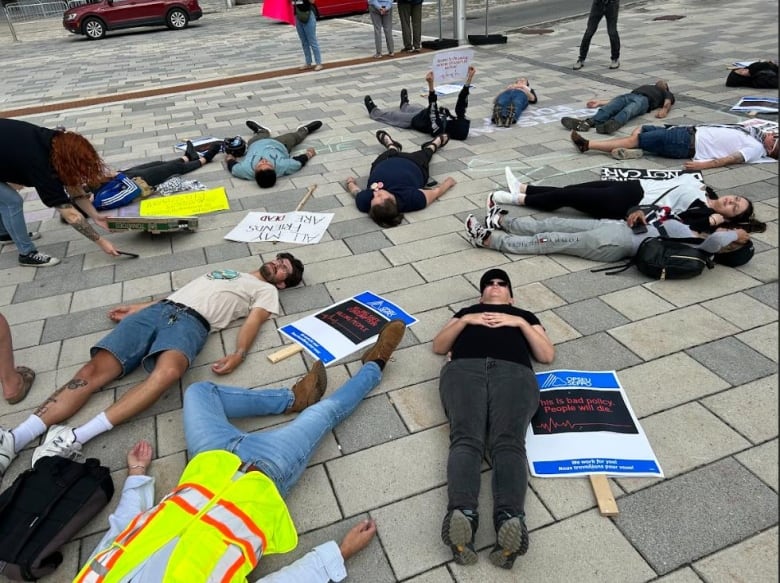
(28, 376)
(438, 142)
(386, 140)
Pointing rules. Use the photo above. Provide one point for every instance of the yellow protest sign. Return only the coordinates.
(187, 204)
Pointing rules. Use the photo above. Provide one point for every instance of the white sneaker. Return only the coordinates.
(7, 450)
(513, 184)
(60, 440)
(502, 197)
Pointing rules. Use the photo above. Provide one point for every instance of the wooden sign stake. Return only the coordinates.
(603, 493)
(285, 352)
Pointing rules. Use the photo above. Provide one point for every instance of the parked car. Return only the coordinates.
(328, 8)
(95, 18)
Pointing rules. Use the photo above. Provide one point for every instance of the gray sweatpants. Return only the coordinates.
(598, 240)
(399, 118)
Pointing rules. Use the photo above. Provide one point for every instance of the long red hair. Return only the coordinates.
(75, 160)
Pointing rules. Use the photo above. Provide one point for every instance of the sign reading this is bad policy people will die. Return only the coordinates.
(585, 425)
(451, 66)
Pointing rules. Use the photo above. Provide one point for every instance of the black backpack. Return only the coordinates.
(44, 508)
(666, 258)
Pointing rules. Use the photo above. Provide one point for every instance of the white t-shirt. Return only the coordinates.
(225, 295)
(715, 142)
(687, 189)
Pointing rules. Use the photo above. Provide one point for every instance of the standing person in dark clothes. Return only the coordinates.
(601, 9)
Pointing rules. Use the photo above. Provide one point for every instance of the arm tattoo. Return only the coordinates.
(83, 227)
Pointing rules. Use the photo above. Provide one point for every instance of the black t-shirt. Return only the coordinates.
(504, 343)
(401, 177)
(655, 96)
(25, 158)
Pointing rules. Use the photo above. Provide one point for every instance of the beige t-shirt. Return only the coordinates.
(225, 295)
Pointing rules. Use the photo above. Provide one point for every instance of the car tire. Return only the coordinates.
(177, 19)
(93, 28)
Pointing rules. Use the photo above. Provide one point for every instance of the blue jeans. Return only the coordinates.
(308, 35)
(507, 98)
(281, 454)
(602, 9)
(622, 108)
(667, 142)
(12, 219)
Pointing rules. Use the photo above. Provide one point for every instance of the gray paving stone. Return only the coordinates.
(753, 556)
(580, 286)
(374, 422)
(681, 520)
(76, 324)
(590, 316)
(765, 293)
(751, 409)
(763, 340)
(733, 361)
(596, 352)
(367, 242)
(761, 461)
(65, 281)
(301, 299)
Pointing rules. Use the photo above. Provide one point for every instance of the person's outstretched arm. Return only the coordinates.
(431, 194)
(326, 562)
(246, 337)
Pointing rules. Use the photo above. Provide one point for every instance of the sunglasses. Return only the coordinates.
(498, 282)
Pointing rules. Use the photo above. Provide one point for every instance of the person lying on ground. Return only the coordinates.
(432, 120)
(165, 337)
(759, 75)
(684, 197)
(267, 158)
(398, 181)
(236, 484)
(603, 240)
(708, 146)
(614, 113)
(489, 393)
(512, 102)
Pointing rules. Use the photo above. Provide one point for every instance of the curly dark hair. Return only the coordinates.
(297, 270)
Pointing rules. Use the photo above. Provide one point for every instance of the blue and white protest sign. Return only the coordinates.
(585, 425)
(343, 328)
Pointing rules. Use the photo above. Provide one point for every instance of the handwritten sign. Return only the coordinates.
(186, 205)
(294, 227)
(449, 66)
(622, 174)
(345, 327)
(585, 425)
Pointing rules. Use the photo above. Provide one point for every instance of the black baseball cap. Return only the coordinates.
(495, 273)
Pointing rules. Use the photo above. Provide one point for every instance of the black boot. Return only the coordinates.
(191, 152)
(370, 105)
(211, 152)
(404, 97)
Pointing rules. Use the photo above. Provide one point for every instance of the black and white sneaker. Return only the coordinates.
(477, 233)
(493, 213)
(36, 259)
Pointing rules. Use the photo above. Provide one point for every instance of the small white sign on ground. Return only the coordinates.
(294, 227)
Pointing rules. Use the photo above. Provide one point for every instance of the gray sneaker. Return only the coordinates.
(7, 450)
(614, 64)
(578, 65)
(512, 541)
(626, 153)
(60, 440)
(572, 123)
(37, 259)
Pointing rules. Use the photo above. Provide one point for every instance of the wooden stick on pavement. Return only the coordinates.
(304, 200)
(604, 497)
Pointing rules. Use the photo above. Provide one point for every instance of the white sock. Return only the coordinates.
(92, 428)
(28, 430)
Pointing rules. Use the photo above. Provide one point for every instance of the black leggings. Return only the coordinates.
(601, 199)
(155, 173)
(421, 157)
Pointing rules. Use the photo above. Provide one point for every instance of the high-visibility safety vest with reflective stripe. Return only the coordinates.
(222, 526)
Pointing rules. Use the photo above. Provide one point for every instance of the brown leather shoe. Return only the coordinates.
(28, 376)
(310, 388)
(389, 339)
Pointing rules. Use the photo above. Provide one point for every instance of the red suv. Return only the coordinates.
(95, 18)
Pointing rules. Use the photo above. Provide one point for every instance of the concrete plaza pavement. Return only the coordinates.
(698, 358)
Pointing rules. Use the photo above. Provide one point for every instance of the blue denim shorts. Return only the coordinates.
(671, 142)
(140, 337)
